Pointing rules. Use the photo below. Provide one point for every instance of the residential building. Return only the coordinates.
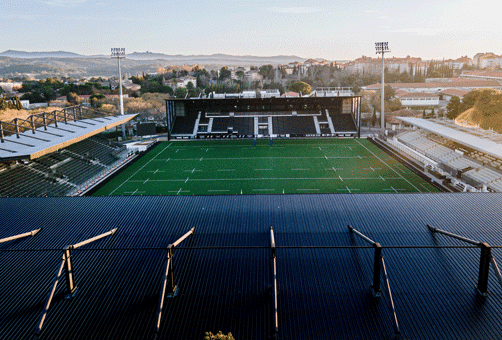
(411, 99)
(483, 75)
(436, 87)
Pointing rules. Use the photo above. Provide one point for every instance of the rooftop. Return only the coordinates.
(223, 271)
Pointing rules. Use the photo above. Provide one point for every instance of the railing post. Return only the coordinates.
(377, 269)
(273, 271)
(55, 118)
(70, 277)
(65, 115)
(484, 269)
(32, 124)
(1, 133)
(17, 127)
(172, 285)
(45, 121)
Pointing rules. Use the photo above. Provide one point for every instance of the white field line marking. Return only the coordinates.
(266, 178)
(218, 190)
(307, 189)
(191, 171)
(349, 190)
(340, 178)
(389, 166)
(320, 148)
(201, 159)
(226, 170)
(226, 146)
(146, 180)
(207, 150)
(326, 157)
(300, 169)
(134, 192)
(179, 190)
(263, 189)
(393, 189)
(383, 179)
(140, 169)
(262, 169)
(186, 180)
(167, 160)
(244, 158)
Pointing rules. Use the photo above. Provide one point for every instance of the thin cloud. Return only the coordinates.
(417, 31)
(295, 10)
(64, 3)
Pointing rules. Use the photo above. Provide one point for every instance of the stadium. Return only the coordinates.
(268, 217)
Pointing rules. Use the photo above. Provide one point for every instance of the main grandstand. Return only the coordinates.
(375, 253)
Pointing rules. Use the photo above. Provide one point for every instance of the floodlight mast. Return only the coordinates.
(119, 53)
(382, 47)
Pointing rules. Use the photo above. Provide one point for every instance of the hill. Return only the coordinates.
(486, 112)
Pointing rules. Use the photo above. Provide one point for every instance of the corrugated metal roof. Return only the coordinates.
(323, 292)
(472, 141)
(31, 145)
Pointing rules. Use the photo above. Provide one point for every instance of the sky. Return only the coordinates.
(333, 30)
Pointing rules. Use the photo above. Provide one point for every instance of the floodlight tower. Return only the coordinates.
(382, 47)
(119, 53)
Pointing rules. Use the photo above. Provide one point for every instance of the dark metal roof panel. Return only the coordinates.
(322, 292)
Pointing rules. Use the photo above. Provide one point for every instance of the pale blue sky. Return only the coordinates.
(321, 29)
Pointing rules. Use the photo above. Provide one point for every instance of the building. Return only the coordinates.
(410, 99)
(436, 87)
(374, 65)
(483, 75)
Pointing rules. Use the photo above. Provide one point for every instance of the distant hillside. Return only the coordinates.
(486, 112)
(30, 55)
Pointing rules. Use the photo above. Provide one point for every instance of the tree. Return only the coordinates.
(469, 100)
(300, 86)
(356, 89)
(180, 92)
(224, 73)
(389, 92)
(374, 118)
(73, 98)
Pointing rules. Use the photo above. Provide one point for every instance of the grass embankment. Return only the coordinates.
(486, 112)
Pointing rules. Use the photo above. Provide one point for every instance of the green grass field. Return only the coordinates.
(230, 167)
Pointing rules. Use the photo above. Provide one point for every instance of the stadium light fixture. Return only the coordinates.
(119, 53)
(382, 47)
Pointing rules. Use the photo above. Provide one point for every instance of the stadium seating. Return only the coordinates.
(63, 172)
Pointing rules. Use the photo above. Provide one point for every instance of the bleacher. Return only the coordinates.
(240, 125)
(474, 168)
(184, 125)
(293, 125)
(25, 181)
(63, 172)
(481, 175)
(343, 123)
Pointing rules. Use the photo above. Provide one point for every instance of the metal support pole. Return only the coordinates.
(484, 261)
(55, 118)
(121, 101)
(32, 124)
(484, 269)
(1, 133)
(392, 308)
(17, 127)
(70, 277)
(43, 316)
(45, 121)
(168, 284)
(275, 330)
(67, 265)
(382, 112)
(30, 233)
(375, 288)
